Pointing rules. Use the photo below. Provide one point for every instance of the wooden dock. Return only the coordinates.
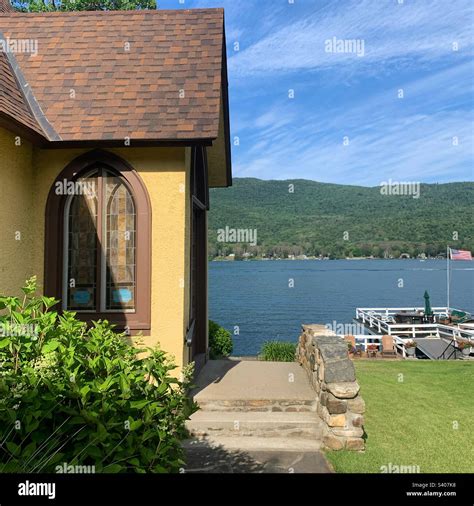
(434, 340)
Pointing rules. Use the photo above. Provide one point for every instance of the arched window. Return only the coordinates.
(98, 234)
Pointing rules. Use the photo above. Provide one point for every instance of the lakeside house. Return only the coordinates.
(113, 127)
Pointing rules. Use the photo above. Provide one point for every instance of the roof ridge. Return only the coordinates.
(166, 85)
(111, 12)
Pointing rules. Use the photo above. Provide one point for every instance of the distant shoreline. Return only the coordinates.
(221, 259)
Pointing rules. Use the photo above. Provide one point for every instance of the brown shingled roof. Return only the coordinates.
(13, 105)
(90, 87)
(12, 102)
(6, 6)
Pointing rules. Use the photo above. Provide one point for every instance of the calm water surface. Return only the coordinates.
(256, 297)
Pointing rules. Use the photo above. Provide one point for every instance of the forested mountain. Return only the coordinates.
(307, 217)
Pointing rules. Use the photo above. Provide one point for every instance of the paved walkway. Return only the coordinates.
(252, 380)
(255, 417)
(203, 458)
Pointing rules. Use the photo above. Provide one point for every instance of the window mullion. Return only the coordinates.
(100, 242)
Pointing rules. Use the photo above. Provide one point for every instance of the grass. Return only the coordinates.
(278, 351)
(412, 409)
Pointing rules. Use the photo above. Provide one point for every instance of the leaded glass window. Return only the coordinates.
(120, 245)
(81, 250)
(100, 245)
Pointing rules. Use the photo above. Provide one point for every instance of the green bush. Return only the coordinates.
(220, 341)
(82, 396)
(278, 351)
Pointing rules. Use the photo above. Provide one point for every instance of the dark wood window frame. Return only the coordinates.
(199, 177)
(140, 319)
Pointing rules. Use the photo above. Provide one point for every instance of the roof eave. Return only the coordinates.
(119, 143)
(225, 100)
(16, 127)
(13, 125)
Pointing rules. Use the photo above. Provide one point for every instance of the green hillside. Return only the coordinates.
(314, 218)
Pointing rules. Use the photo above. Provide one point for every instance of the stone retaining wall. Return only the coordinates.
(332, 375)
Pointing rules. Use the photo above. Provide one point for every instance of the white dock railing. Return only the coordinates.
(382, 321)
(366, 340)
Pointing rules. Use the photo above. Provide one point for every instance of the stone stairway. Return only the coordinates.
(255, 405)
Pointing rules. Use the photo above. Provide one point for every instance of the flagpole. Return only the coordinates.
(447, 274)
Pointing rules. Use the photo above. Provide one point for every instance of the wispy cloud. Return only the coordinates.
(408, 45)
(413, 31)
(388, 137)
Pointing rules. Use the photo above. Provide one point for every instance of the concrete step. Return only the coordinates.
(262, 405)
(306, 425)
(253, 443)
(229, 385)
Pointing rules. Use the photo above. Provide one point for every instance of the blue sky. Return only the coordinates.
(409, 45)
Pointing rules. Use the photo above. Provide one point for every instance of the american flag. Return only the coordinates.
(460, 254)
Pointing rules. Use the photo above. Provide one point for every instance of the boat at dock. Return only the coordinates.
(441, 333)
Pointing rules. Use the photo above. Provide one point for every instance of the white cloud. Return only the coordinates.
(418, 30)
(408, 139)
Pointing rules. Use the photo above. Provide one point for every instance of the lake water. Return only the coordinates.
(256, 296)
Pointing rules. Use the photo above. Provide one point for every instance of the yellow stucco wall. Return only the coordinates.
(28, 174)
(16, 209)
(216, 157)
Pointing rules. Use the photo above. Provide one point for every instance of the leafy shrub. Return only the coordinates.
(220, 341)
(82, 396)
(278, 351)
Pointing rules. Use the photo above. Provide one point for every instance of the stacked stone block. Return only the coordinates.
(332, 375)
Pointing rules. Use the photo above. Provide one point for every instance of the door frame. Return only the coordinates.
(197, 338)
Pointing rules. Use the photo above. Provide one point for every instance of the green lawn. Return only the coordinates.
(411, 422)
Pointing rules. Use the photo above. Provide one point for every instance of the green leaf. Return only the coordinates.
(18, 317)
(124, 383)
(85, 390)
(50, 346)
(13, 448)
(113, 468)
(107, 384)
(29, 449)
(49, 301)
(93, 451)
(136, 424)
(5, 342)
(162, 388)
(139, 404)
